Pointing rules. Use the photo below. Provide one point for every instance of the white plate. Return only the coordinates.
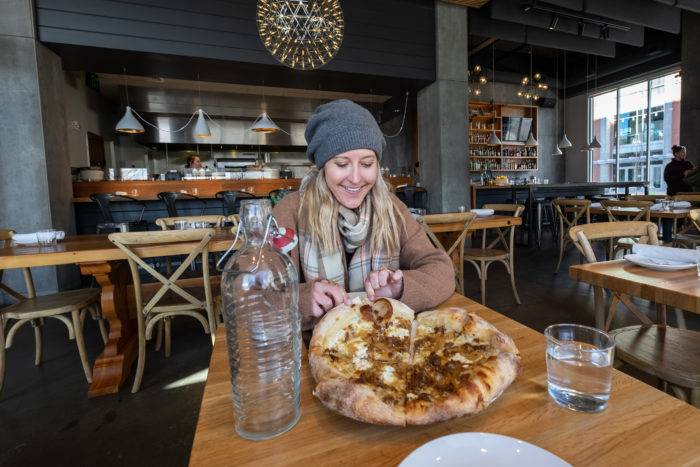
(657, 265)
(483, 212)
(480, 449)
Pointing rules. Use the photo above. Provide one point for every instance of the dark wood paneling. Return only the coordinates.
(394, 38)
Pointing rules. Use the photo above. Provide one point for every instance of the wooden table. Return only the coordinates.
(97, 256)
(641, 426)
(679, 289)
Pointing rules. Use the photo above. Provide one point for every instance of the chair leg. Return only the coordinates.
(483, 282)
(2, 354)
(561, 250)
(159, 335)
(78, 329)
(141, 361)
(167, 337)
(694, 398)
(680, 318)
(37, 342)
(511, 271)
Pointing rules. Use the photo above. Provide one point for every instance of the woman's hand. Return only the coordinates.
(384, 283)
(325, 296)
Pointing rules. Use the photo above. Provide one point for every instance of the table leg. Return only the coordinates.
(667, 227)
(112, 367)
(599, 306)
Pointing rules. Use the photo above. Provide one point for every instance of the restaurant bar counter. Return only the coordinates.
(149, 207)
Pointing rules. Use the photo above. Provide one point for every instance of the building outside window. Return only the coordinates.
(636, 126)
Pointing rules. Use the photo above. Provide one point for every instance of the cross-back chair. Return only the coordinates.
(456, 224)
(499, 249)
(690, 236)
(628, 210)
(34, 309)
(570, 212)
(582, 235)
(152, 312)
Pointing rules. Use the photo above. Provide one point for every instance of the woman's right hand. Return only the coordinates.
(325, 296)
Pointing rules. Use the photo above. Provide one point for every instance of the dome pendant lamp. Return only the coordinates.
(129, 123)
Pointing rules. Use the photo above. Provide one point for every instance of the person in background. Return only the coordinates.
(676, 171)
(193, 162)
(354, 235)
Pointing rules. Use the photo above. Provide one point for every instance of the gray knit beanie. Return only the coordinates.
(340, 126)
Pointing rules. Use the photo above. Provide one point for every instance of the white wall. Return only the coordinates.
(577, 132)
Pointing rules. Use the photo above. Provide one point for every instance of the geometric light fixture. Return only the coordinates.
(128, 123)
(493, 140)
(301, 34)
(476, 79)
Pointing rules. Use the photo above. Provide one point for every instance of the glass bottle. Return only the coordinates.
(260, 292)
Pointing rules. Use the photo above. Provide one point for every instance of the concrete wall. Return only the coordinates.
(399, 153)
(35, 180)
(577, 132)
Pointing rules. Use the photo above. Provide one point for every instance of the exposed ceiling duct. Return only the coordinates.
(690, 5)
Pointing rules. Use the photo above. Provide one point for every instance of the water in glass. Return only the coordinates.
(260, 292)
(579, 366)
(697, 261)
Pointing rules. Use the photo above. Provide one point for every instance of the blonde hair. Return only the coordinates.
(319, 207)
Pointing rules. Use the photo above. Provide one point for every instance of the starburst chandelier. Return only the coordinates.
(301, 34)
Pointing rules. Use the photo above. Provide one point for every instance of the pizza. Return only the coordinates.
(378, 362)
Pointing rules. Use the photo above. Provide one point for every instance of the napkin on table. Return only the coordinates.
(665, 254)
(23, 239)
(482, 212)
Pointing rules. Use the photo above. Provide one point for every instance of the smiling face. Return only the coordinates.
(351, 175)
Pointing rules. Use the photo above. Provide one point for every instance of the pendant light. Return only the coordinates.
(531, 141)
(564, 143)
(594, 142)
(264, 124)
(128, 123)
(201, 129)
(586, 146)
(557, 151)
(493, 140)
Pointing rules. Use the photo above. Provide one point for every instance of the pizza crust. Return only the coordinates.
(362, 402)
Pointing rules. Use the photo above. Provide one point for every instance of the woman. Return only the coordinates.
(354, 235)
(676, 170)
(193, 162)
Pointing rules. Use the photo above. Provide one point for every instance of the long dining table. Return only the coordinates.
(641, 426)
(96, 256)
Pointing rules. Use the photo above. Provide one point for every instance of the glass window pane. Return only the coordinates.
(633, 131)
(604, 109)
(665, 126)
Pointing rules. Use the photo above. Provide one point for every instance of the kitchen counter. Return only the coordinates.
(148, 190)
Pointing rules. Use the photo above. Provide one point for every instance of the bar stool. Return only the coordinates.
(170, 199)
(231, 200)
(413, 196)
(545, 217)
(108, 224)
(277, 195)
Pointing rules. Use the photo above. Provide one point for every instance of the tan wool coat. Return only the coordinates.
(428, 277)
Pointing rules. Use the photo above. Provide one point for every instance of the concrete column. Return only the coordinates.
(442, 114)
(690, 88)
(35, 183)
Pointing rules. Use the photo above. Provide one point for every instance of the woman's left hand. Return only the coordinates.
(384, 283)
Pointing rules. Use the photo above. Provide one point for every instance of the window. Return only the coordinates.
(636, 126)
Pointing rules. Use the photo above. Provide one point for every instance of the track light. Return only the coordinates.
(553, 23)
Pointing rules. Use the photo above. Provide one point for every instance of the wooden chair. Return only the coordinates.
(581, 208)
(482, 258)
(437, 223)
(149, 314)
(625, 211)
(582, 235)
(668, 353)
(692, 198)
(689, 237)
(35, 309)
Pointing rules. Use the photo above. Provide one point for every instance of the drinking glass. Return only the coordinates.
(579, 366)
(181, 225)
(666, 204)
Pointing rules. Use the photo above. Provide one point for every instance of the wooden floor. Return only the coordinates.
(45, 416)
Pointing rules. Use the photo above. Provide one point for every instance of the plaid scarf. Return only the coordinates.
(354, 228)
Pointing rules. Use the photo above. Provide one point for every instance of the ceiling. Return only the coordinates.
(617, 38)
